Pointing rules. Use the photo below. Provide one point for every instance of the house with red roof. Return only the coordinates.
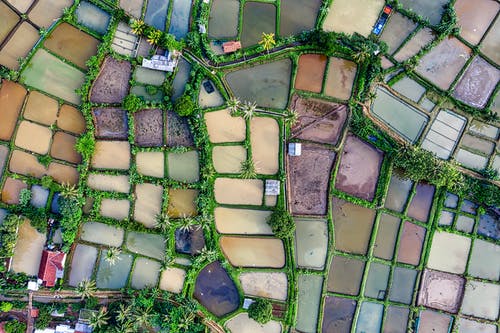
(51, 267)
(231, 46)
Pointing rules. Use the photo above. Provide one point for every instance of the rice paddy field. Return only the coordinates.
(170, 182)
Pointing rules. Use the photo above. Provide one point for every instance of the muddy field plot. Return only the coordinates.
(11, 101)
(178, 132)
(441, 291)
(310, 72)
(112, 83)
(359, 168)
(308, 178)
(477, 83)
(110, 123)
(148, 128)
(319, 121)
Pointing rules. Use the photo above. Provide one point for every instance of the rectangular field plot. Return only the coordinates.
(49, 74)
(444, 133)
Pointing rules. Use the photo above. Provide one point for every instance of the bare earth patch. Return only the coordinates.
(308, 178)
(112, 84)
(148, 128)
(359, 168)
(110, 123)
(319, 121)
(441, 291)
(178, 132)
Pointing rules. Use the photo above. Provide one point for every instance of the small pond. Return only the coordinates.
(113, 276)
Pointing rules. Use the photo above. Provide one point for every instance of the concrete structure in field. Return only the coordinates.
(231, 46)
(294, 149)
(272, 187)
(166, 63)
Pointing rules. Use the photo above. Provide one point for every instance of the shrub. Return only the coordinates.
(282, 224)
(133, 103)
(14, 326)
(261, 311)
(184, 105)
(6, 306)
(24, 197)
(85, 145)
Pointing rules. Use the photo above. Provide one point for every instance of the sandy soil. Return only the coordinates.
(224, 128)
(148, 203)
(172, 280)
(253, 252)
(239, 191)
(71, 120)
(228, 159)
(41, 108)
(265, 284)
(63, 148)
(359, 168)
(109, 183)
(151, 164)
(28, 250)
(265, 143)
(11, 102)
(243, 324)
(33, 137)
(116, 209)
(111, 155)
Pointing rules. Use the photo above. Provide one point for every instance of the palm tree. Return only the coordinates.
(206, 255)
(138, 26)
(362, 54)
(86, 288)
(267, 42)
(113, 255)
(292, 117)
(142, 318)
(123, 313)
(99, 319)
(163, 222)
(186, 224)
(69, 191)
(248, 109)
(234, 105)
(248, 169)
(154, 37)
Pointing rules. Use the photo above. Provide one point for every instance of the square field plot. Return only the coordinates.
(338, 314)
(350, 16)
(441, 291)
(115, 209)
(471, 326)
(41, 108)
(182, 203)
(110, 123)
(258, 17)
(484, 261)
(45, 12)
(33, 137)
(345, 275)
(112, 83)
(433, 321)
(151, 164)
(63, 148)
(148, 203)
(19, 45)
(222, 127)
(481, 300)
(71, 120)
(149, 128)
(449, 252)
(228, 159)
(474, 18)
(184, 167)
(340, 78)
(172, 280)
(298, 15)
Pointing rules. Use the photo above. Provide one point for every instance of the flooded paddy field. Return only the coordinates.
(71, 119)
(228, 159)
(179, 20)
(239, 191)
(266, 84)
(40, 108)
(475, 19)
(258, 17)
(72, 44)
(223, 21)
(430, 9)
(117, 209)
(345, 275)
(150, 164)
(45, 12)
(191, 241)
(441, 291)
(156, 13)
(310, 72)
(111, 155)
(92, 17)
(63, 148)
(148, 203)
(340, 79)
(222, 127)
(172, 280)
(422, 38)
(309, 297)
(182, 203)
(338, 314)
(19, 45)
(298, 16)
(11, 190)
(397, 30)
(242, 221)
(184, 167)
(145, 273)
(308, 177)
(311, 243)
(318, 121)
(84, 258)
(181, 78)
(52, 75)
(489, 45)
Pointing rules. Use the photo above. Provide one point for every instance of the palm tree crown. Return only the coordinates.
(267, 42)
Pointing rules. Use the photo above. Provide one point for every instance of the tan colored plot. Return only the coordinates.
(228, 159)
(21, 5)
(151, 164)
(341, 75)
(19, 45)
(71, 120)
(72, 44)
(33, 137)
(63, 174)
(239, 191)
(350, 16)
(26, 164)
(115, 209)
(11, 190)
(222, 127)
(265, 141)
(47, 12)
(474, 18)
(9, 20)
(265, 284)
(11, 102)
(63, 148)
(242, 323)
(242, 221)
(109, 183)
(28, 250)
(148, 203)
(253, 252)
(182, 203)
(172, 280)
(111, 155)
(41, 108)
(310, 72)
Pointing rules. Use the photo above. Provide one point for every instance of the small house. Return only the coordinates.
(231, 46)
(294, 149)
(51, 267)
(272, 187)
(166, 63)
